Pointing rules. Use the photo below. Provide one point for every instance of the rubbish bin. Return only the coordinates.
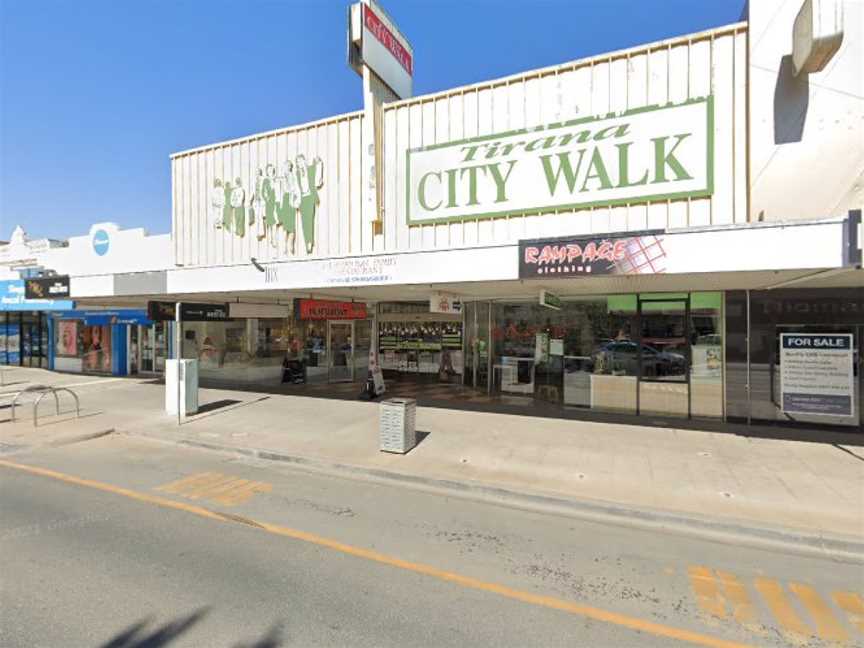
(397, 425)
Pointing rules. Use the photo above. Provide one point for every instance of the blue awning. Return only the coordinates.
(106, 317)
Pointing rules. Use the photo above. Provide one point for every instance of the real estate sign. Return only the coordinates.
(816, 374)
(654, 153)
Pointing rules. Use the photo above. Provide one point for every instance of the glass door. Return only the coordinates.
(340, 343)
(362, 345)
(664, 355)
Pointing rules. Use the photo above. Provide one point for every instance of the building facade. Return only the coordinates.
(652, 231)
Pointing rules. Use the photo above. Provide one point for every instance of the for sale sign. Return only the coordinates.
(816, 374)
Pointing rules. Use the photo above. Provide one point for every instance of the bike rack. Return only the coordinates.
(43, 391)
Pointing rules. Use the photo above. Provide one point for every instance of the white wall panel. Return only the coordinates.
(200, 239)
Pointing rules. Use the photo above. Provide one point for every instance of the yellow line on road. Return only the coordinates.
(707, 592)
(853, 604)
(187, 482)
(781, 607)
(736, 593)
(614, 618)
(826, 624)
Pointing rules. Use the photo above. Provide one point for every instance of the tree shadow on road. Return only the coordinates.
(139, 636)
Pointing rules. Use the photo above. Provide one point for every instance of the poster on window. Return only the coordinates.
(67, 338)
(816, 374)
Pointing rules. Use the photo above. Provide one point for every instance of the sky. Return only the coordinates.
(95, 95)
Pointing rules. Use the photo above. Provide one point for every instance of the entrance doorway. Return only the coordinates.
(340, 342)
(663, 360)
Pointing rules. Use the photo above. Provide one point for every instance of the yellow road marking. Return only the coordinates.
(708, 595)
(853, 605)
(186, 482)
(736, 593)
(780, 606)
(224, 489)
(826, 624)
(614, 618)
(242, 494)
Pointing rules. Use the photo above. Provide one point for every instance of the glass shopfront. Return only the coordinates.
(655, 354)
(815, 379)
(24, 339)
(273, 351)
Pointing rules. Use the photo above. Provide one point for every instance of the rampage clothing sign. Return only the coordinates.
(816, 374)
(656, 153)
(569, 257)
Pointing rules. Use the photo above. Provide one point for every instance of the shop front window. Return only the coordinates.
(95, 343)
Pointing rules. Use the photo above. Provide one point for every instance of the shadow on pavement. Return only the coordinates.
(273, 639)
(209, 407)
(137, 636)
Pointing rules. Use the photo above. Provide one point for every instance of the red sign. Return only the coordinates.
(388, 40)
(321, 309)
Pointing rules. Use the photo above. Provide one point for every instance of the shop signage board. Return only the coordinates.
(383, 48)
(562, 258)
(322, 309)
(643, 155)
(46, 287)
(816, 374)
(13, 298)
(440, 302)
(550, 300)
(161, 311)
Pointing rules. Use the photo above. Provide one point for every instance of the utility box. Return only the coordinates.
(397, 425)
(187, 389)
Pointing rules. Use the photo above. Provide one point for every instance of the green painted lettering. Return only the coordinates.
(619, 130)
(564, 167)
(451, 187)
(581, 137)
(662, 159)
(421, 191)
(471, 150)
(599, 172)
(533, 145)
(472, 181)
(624, 167)
(501, 181)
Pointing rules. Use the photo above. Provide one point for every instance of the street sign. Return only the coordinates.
(550, 300)
(160, 311)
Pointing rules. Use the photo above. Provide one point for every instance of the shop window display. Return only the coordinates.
(431, 348)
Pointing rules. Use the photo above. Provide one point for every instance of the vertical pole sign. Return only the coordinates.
(382, 56)
(816, 374)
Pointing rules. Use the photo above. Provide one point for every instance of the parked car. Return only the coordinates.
(622, 357)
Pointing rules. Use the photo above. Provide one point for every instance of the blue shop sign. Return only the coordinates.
(12, 299)
(101, 242)
(106, 317)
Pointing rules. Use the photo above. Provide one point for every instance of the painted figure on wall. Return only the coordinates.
(310, 178)
(275, 200)
(238, 207)
(289, 201)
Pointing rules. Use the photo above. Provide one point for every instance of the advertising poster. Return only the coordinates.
(67, 337)
(816, 374)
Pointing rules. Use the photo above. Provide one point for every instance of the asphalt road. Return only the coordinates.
(120, 542)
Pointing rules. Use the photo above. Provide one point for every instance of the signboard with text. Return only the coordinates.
(322, 309)
(816, 374)
(659, 153)
(46, 287)
(161, 311)
(562, 258)
(386, 51)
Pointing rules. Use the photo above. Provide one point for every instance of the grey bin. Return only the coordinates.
(397, 431)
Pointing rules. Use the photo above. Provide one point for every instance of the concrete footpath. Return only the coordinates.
(765, 490)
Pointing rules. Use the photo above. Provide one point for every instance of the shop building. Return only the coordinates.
(650, 231)
(52, 333)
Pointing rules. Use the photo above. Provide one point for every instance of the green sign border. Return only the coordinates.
(696, 193)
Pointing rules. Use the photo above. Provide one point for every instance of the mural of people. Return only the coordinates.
(289, 201)
(310, 178)
(238, 207)
(217, 202)
(275, 200)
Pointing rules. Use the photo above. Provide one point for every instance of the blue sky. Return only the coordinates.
(95, 95)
